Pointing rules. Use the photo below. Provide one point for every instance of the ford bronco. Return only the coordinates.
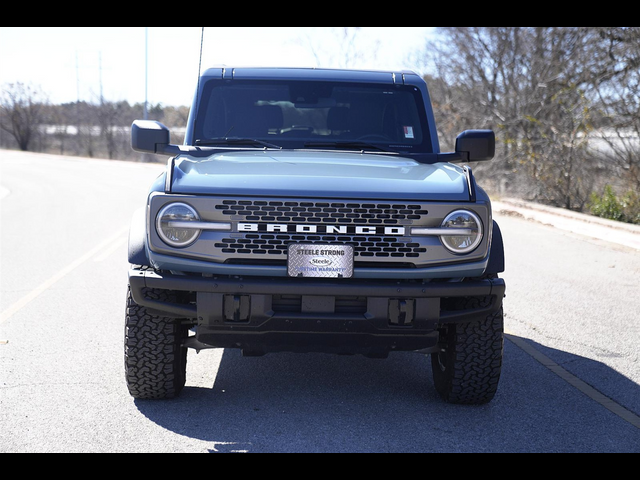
(312, 211)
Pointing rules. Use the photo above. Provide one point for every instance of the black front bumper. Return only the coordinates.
(304, 315)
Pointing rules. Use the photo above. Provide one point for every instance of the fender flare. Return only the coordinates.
(497, 262)
(138, 239)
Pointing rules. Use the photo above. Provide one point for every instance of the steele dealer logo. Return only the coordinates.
(321, 229)
(321, 262)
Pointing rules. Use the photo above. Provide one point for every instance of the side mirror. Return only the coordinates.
(476, 145)
(149, 137)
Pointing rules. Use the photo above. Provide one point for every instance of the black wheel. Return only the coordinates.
(155, 361)
(468, 371)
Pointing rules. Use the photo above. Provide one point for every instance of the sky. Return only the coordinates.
(71, 63)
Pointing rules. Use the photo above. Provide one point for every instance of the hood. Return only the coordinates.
(311, 174)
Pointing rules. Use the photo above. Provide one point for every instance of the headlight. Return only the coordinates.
(466, 232)
(173, 225)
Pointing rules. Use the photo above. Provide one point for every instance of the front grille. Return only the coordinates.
(365, 247)
(396, 247)
(263, 229)
(322, 212)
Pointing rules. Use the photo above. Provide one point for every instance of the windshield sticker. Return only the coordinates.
(408, 133)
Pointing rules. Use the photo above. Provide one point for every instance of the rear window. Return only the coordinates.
(297, 114)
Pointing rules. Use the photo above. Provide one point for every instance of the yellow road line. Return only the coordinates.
(35, 293)
(575, 382)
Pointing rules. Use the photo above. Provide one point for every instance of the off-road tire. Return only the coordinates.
(468, 371)
(155, 361)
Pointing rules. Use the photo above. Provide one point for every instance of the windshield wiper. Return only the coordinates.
(235, 142)
(349, 146)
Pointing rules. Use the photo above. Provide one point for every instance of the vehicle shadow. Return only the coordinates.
(323, 403)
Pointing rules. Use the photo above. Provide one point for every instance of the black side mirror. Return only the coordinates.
(476, 145)
(149, 137)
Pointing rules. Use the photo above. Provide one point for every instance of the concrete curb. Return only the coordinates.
(615, 232)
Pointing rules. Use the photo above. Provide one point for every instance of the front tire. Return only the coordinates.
(468, 371)
(155, 360)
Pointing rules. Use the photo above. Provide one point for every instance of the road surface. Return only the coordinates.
(571, 380)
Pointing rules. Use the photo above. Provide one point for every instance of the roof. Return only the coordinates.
(309, 74)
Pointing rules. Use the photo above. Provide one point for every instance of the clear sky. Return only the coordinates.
(68, 62)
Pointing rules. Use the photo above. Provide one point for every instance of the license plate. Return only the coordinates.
(321, 261)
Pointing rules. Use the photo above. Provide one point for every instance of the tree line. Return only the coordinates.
(97, 130)
(564, 102)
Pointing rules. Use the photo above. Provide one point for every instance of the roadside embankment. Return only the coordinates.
(615, 232)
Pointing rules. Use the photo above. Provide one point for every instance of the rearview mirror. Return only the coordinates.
(476, 145)
(149, 137)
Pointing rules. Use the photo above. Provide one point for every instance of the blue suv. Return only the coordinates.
(313, 211)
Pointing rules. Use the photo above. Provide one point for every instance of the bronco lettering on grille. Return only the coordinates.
(320, 229)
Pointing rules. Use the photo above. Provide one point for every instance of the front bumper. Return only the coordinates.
(349, 316)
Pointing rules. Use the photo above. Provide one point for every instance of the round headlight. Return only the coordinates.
(466, 232)
(173, 225)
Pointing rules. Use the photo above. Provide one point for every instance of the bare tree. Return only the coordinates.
(618, 88)
(341, 48)
(536, 86)
(21, 112)
(109, 116)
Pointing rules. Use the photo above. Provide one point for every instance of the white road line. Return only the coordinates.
(27, 299)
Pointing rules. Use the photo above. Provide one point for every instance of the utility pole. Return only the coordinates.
(78, 104)
(146, 158)
(78, 76)
(101, 83)
(146, 73)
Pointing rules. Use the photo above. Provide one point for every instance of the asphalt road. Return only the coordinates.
(571, 380)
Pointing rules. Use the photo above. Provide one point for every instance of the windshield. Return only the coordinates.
(314, 115)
